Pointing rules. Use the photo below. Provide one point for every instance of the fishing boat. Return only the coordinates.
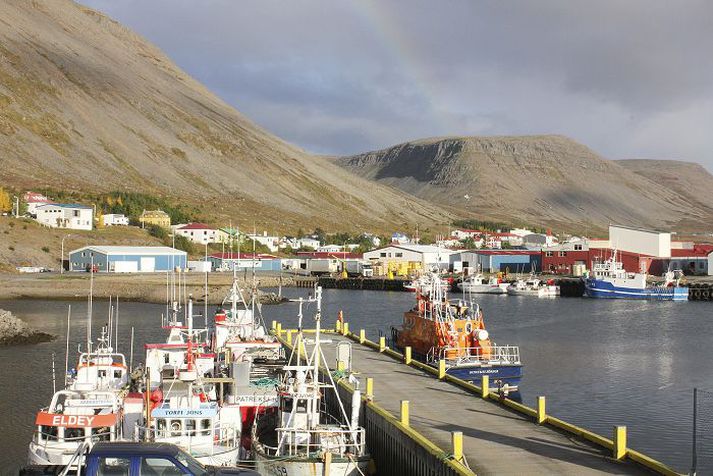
(533, 287)
(424, 282)
(302, 438)
(183, 407)
(438, 329)
(89, 409)
(610, 280)
(478, 284)
(251, 357)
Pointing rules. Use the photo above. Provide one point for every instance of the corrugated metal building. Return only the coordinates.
(127, 259)
(240, 261)
(491, 261)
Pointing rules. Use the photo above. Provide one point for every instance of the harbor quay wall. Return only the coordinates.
(615, 445)
(395, 448)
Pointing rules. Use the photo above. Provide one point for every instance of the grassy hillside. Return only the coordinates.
(87, 105)
(548, 181)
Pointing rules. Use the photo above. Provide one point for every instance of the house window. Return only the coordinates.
(548, 253)
(84, 254)
(76, 213)
(577, 247)
(399, 255)
(562, 253)
(383, 255)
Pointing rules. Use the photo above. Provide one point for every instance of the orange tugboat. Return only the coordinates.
(437, 329)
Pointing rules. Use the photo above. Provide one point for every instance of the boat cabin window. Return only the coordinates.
(73, 434)
(48, 433)
(109, 466)
(287, 405)
(101, 434)
(159, 466)
(301, 406)
(191, 427)
(176, 427)
(101, 373)
(117, 373)
(166, 358)
(160, 425)
(206, 426)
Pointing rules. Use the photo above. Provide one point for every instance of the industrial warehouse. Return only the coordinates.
(127, 259)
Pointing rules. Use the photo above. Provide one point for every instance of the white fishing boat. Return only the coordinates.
(478, 284)
(533, 287)
(302, 438)
(423, 283)
(183, 407)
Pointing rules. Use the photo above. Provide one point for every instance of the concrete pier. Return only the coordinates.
(492, 439)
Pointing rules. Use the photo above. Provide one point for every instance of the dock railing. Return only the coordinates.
(495, 354)
(616, 444)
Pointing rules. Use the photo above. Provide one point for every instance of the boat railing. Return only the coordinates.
(495, 354)
(213, 440)
(302, 441)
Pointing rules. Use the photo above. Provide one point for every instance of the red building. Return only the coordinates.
(560, 259)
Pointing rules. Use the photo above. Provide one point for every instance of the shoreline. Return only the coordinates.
(131, 287)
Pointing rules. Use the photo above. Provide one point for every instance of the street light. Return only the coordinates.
(61, 260)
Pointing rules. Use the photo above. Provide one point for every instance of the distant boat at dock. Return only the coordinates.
(533, 287)
(477, 284)
(610, 280)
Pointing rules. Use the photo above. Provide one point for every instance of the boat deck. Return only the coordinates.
(496, 440)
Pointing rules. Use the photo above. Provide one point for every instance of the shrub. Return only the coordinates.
(46, 249)
(11, 248)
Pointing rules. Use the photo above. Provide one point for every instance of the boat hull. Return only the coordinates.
(482, 288)
(597, 288)
(286, 466)
(498, 374)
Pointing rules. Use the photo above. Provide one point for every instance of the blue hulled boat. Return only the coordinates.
(610, 280)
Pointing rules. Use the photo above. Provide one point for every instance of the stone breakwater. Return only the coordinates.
(14, 331)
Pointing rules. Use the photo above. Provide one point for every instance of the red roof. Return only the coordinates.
(34, 197)
(196, 226)
(505, 252)
(243, 256)
(329, 254)
(699, 250)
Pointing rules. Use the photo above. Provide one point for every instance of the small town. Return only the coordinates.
(354, 238)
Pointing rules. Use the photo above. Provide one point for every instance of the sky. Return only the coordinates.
(630, 79)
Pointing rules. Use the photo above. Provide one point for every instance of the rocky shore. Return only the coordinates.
(14, 331)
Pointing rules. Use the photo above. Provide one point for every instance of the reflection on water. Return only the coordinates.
(600, 363)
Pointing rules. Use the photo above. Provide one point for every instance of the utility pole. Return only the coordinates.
(61, 260)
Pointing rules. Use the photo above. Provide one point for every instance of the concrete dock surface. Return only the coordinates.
(496, 440)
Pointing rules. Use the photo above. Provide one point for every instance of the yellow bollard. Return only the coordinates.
(289, 337)
(404, 413)
(362, 336)
(345, 328)
(279, 328)
(370, 388)
(541, 415)
(407, 355)
(341, 365)
(338, 326)
(484, 386)
(457, 439)
(619, 442)
(441, 369)
(274, 325)
(382, 344)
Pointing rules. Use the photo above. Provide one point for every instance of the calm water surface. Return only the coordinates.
(600, 363)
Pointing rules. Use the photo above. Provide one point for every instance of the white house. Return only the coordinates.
(198, 233)
(271, 242)
(115, 219)
(427, 255)
(308, 242)
(400, 238)
(65, 215)
(462, 234)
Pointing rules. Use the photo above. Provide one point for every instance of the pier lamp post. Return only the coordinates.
(61, 259)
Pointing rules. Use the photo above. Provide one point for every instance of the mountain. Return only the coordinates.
(88, 105)
(539, 180)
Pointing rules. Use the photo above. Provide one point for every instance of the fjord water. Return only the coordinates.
(600, 363)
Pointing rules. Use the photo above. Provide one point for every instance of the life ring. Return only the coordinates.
(696, 294)
(705, 294)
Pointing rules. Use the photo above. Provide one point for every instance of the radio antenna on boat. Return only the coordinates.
(89, 306)
(66, 351)
(116, 324)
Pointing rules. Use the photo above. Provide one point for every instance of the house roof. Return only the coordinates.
(132, 250)
(66, 205)
(698, 251)
(196, 226)
(249, 256)
(329, 254)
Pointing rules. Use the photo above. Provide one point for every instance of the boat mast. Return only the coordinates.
(89, 306)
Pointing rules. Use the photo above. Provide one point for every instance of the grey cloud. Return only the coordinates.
(630, 78)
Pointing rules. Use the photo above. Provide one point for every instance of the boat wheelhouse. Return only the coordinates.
(302, 438)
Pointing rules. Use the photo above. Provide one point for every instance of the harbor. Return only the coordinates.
(653, 402)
